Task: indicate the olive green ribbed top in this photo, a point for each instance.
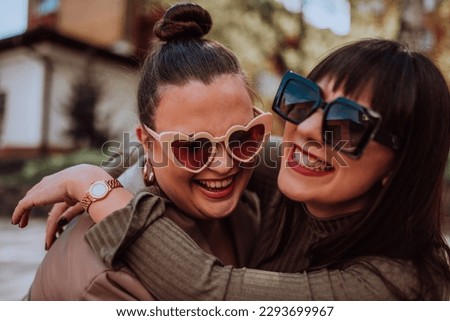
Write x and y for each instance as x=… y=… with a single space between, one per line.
x=173 y=267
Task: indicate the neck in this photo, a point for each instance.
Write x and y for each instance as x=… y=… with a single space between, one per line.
x=330 y=211
x=220 y=239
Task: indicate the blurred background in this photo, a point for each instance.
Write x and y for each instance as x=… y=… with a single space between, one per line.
x=69 y=71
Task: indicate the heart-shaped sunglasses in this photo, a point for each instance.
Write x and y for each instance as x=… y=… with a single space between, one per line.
x=196 y=151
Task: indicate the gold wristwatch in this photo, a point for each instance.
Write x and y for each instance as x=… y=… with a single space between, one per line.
x=98 y=191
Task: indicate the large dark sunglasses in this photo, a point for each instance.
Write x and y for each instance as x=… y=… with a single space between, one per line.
x=196 y=152
x=347 y=126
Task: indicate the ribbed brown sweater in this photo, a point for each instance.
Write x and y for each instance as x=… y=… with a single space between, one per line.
x=169 y=263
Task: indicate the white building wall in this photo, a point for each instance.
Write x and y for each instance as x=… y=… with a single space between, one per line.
x=116 y=108
x=21 y=77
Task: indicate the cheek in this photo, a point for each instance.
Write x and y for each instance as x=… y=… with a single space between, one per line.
x=156 y=155
x=370 y=169
x=284 y=181
x=174 y=181
x=244 y=178
x=378 y=159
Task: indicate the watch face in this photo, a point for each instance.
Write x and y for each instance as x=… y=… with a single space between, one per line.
x=99 y=189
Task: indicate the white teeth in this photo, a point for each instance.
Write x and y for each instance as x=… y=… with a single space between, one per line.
x=310 y=162
x=216 y=184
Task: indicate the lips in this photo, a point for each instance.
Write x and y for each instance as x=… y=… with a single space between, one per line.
x=217 y=188
x=308 y=164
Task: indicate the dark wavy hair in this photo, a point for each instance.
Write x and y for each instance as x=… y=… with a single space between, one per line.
x=404 y=220
x=180 y=55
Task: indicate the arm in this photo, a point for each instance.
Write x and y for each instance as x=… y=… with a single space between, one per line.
x=70 y=186
x=63 y=213
x=169 y=263
x=71 y=271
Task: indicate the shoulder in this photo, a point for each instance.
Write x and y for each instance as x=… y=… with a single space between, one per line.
x=116 y=285
x=72 y=271
x=119 y=162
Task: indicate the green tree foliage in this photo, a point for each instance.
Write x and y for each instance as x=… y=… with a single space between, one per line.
x=265 y=35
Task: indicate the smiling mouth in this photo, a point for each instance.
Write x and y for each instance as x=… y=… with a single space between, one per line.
x=215 y=185
x=309 y=161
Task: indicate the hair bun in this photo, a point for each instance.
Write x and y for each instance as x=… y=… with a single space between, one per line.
x=186 y=20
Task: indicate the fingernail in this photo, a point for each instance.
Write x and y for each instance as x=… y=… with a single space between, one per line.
x=62 y=222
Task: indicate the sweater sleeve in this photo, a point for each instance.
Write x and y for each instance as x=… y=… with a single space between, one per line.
x=113 y=234
x=171 y=264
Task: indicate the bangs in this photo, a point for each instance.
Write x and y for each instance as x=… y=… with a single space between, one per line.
x=385 y=62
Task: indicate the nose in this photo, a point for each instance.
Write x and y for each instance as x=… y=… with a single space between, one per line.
x=222 y=162
x=311 y=128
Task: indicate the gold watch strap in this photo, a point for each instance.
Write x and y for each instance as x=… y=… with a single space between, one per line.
x=113 y=183
x=89 y=199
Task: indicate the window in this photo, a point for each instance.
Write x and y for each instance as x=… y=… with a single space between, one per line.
x=47 y=6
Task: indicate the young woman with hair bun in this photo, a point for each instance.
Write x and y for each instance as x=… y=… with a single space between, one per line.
x=200 y=132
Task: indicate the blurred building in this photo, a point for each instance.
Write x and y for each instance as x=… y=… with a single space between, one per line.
x=70 y=42
x=122 y=26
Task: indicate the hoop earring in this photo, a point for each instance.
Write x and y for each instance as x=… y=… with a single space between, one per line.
x=385 y=181
x=149 y=176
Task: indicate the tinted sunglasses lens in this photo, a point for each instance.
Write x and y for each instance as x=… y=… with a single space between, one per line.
x=192 y=154
x=297 y=101
x=245 y=144
x=346 y=127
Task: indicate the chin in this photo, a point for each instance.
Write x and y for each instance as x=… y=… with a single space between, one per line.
x=290 y=187
x=220 y=211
